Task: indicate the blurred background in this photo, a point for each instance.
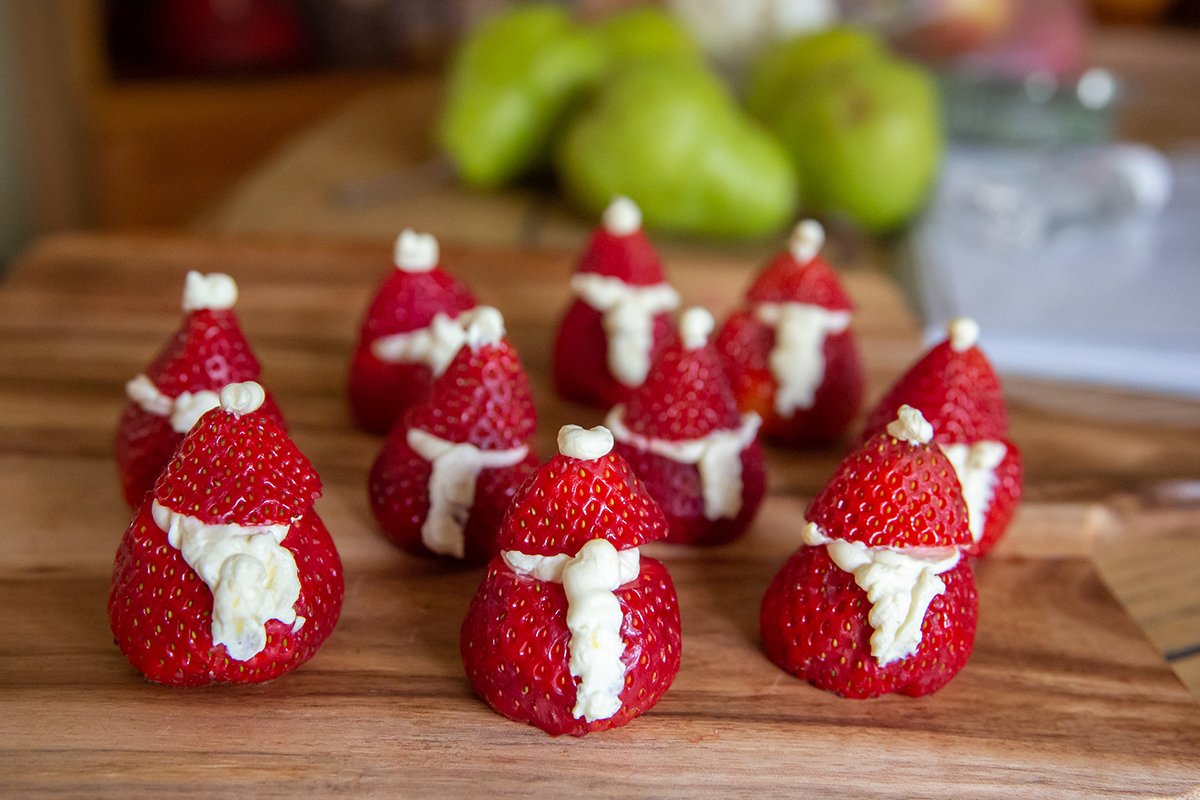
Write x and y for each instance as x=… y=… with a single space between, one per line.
x=1033 y=163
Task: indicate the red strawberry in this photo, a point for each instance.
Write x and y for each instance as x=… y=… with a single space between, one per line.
x=882 y=551
x=611 y=331
x=394 y=365
x=956 y=389
x=447 y=473
x=682 y=435
x=208 y=352
x=572 y=630
x=790 y=354
x=227 y=574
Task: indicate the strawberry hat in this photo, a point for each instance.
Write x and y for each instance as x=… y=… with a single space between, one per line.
x=886 y=510
x=954 y=386
x=800 y=274
x=238 y=467
x=600 y=498
x=620 y=249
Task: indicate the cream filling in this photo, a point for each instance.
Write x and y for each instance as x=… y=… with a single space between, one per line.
x=434 y=345
x=215 y=291
x=717 y=456
x=628 y=320
x=594 y=617
x=976 y=466
x=899 y=582
x=182 y=411
x=252 y=577
x=797 y=361
x=456 y=467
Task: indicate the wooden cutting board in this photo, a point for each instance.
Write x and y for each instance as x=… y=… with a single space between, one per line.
x=1064 y=696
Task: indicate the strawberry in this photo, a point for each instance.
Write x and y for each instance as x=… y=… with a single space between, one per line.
x=227 y=574
x=682 y=435
x=572 y=630
x=958 y=392
x=448 y=471
x=395 y=362
x=620 y=316
x=879 y=598
x=789 y=353
x=208 y=352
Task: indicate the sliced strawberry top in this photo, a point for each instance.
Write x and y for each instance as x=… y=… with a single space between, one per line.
x=784 y=280
x=892 y=493
x=570 y=501
x=238 y=469
x=483 y=398
x=685 y=396
x=957 y=392
x=407 y=301
x=630 y=258
x=207 y=352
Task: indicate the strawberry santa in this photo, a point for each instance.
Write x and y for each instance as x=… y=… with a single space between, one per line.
x=879 y=598
x=790 y=353
x=958 y=392
x=620 y=315
x=208 y=352
x=227 y=574
x=448 y=471
x=682 y=434
x=572 y=629
x=408 y=335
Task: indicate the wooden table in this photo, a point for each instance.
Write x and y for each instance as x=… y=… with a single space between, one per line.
x=1064 y=696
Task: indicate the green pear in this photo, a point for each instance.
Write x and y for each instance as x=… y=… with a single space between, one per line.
x=866 y=139
x=646 y=32
x=511 y=84
x=668 y=135
x=790 y=63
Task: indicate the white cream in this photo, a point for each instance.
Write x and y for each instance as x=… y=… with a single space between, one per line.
x=252 y=577
x=594 y=617
x=628 y=320
x=910 y=426
x=963 y=334
x=215 y=292
x=242 y=398
x=434 y=346
x=797 y=360
x=622 y=217
x=717 y=456
x=586 y=444
x=415 y=252
x=899 y=582
x=182 y=412
x=976 y=466
x=808 y=237
x=456 y=468
x=695 y=326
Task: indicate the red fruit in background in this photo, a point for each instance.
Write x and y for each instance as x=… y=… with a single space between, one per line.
x=684 y=438
x=879 y=598
x=208 y=352
x=612 y=330
x=402 y=344
x=572 y=630
x=227 y=574
x=956 y=389
x=447 y=473
x=790 y=354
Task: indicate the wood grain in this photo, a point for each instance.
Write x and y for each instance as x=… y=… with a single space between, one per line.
x=1064 y=696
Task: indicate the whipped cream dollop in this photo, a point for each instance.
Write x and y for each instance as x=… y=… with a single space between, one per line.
x=586 y=444
x=963 y=334
x=590 y=580
x=797 y=359
x=622 y=217
x=808 y=237
x=455 y=470
x=214 y=292
x=628 y=320
x=252 y=576
x=975 y=465
x=910 y=426
x=182 y=412
x=717 y=456
x=415 y=252
x=900 y=584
